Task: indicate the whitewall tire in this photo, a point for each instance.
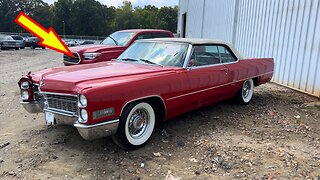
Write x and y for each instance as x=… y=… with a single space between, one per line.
x=136 y=125
x=246 y=91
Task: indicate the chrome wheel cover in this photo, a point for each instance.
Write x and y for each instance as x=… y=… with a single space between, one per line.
x=138 y=123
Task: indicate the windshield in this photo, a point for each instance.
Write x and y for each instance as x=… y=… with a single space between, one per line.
x=118 y=38
x=8 y=38
x=17 y=37
x=160 y=53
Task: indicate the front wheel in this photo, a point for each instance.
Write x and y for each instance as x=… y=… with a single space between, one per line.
x=245 y=93
x=136 y=125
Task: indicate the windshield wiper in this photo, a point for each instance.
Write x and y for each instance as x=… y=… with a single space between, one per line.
x=113 y=40
x=150 y=62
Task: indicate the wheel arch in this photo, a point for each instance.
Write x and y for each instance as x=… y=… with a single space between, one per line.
x=256 y=81
x=155 y=101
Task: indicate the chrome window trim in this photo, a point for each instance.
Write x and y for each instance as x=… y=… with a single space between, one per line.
x=214 y=87
x=211 y=65
x=188 y=56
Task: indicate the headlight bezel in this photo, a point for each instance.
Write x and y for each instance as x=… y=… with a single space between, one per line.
x=83 y=116
x=91 y=55
x=82 y=101
x=23 y=87
x=24 y=95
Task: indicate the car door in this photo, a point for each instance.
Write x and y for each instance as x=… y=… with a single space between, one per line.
x=207 y=75
x=236 y=71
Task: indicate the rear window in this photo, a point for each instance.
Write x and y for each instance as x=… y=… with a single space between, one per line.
x=161 y=35
x=17 y=37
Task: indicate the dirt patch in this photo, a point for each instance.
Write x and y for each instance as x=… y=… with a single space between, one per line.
x=276 y=136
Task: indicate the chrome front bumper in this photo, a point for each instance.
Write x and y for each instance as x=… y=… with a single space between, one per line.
x=87 y=132
x=95 y=131
x=32 y=107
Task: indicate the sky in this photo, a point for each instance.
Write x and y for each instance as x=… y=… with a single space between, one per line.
x=116 y=3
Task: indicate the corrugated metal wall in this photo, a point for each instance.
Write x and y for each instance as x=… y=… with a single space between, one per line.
x=287 y=30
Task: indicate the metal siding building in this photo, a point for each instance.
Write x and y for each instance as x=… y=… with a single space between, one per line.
x=287 y=30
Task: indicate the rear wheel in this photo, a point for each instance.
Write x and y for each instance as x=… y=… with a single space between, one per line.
x=22 y=47
x=245 y=93
x=43 y=47
x=136 y=125
x=16 y=48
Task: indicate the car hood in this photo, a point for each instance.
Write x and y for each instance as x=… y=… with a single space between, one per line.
x=7 y=40
x=93 y=48
x=74 y=79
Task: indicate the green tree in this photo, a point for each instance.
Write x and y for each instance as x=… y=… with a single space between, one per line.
x=61 y=15
x=167 y=17
x=124 y=17
x=89 y=17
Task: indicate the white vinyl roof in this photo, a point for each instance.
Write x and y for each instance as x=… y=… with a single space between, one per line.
x=195 y=41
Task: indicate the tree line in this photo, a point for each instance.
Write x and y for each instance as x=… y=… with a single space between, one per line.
x=87 y=17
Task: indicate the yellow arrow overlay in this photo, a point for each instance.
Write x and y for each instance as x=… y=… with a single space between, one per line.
x=48 y=38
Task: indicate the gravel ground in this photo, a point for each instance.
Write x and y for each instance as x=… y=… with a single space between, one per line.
x=274 y=137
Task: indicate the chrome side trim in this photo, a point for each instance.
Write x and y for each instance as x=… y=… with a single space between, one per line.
x=165 y=107
x=64 y=94
x=214 y=87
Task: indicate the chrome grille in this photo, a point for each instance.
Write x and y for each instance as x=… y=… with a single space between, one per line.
x=71 y=60
x=62 y=103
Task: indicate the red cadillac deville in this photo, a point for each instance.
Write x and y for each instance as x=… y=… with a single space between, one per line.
x=153 y=80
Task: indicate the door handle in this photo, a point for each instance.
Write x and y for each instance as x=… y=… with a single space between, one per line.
x=225 y=70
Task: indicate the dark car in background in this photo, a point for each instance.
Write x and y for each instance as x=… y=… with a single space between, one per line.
x=29 y=41
x=20 y=40
x=33 y=43
x=7 y=42
x=112 y=46
x=86 y=42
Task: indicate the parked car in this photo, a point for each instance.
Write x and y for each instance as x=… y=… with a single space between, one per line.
x=35 y=44
x=86 y=42
x=71 y=43
x=112 y=46
x=29 y=41
x=7 y=42
x=20 y=40
x=153 y=80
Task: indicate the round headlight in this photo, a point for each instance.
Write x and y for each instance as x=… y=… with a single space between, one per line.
x=83 y=116
x=24 y=95
x=25 y=85
x=82 y=101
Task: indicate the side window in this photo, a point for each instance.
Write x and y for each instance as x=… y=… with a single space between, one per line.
x=144 y=36
x=225 y=55
x=204 y=55
x=161 y=35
